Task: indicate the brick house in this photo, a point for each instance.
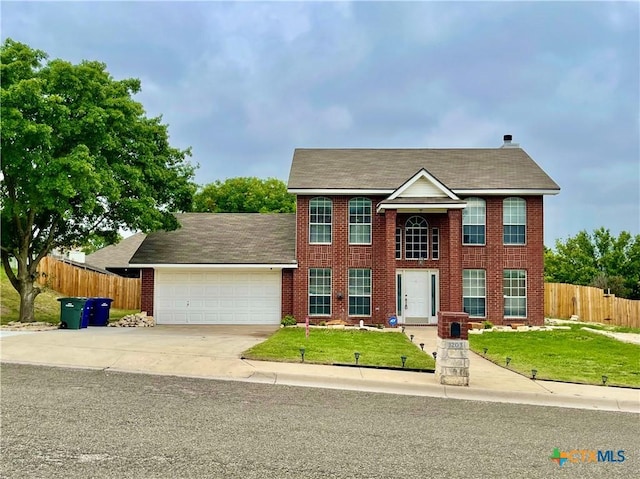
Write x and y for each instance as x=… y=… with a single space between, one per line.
x=377 y=233
x=415 y=231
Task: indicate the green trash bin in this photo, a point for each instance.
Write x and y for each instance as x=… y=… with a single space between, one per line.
x=71 y=310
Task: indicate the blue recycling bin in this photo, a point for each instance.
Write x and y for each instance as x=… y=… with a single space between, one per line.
x=87 y=313
x=100 y=311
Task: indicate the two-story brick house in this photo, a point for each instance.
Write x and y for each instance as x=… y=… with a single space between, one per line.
x=411 y=232
x=377 y=233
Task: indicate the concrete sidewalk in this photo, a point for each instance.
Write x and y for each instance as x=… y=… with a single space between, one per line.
x=213 y=352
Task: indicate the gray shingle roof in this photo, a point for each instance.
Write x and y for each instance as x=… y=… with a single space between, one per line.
x=116 y=255
x=387 y=169
x=222 y=238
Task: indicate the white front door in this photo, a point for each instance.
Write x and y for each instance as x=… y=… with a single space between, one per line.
x=417 y=296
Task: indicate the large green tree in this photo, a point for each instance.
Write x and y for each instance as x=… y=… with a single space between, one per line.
x=245 y=195
x=80 y=160
x=599 y=259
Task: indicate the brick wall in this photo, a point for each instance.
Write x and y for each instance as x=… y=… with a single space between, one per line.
x=147 y=290
x=494 y=257
x=287 y=292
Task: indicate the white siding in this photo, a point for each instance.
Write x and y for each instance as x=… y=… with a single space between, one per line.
x=423 y=188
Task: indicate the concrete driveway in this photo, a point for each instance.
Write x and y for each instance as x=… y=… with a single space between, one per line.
x=180 y=350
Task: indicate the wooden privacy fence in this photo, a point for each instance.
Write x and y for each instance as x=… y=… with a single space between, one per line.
x=71 y=280
x=589 y=304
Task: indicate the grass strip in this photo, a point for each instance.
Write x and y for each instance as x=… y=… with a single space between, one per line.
x=571 y=355
x=328 y=346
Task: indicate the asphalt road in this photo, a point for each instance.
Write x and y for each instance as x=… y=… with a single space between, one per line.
x=62 y=423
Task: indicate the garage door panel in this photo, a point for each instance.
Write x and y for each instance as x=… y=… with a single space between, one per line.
x=217 y=297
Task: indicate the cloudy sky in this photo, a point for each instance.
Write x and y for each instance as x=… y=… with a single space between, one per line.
x=244 y=84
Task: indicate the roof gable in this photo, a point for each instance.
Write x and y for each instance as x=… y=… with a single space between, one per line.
x=423 y=185
x=116 y=255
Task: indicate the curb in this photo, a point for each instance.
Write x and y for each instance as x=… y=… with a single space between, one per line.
x=386 y=387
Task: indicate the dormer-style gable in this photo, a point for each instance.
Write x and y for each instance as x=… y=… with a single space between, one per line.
x=421 y=192
x=423 y=185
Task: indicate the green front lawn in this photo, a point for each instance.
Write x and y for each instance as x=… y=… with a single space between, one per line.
x=563 y=355
x=329 y=346
x=47 y=306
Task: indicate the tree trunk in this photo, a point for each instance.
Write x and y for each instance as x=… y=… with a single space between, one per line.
x=23 y=280
x=28 y=295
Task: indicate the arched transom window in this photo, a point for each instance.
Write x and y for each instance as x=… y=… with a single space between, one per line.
x=416 y=234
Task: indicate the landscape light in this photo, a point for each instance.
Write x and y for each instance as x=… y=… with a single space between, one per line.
x=302 y=354
x=508 y=360
x=604 y=380
x=434 y=354
x=422 y=346
x=404 y=360
x=411 y=337
x=534 y=372
x=484 y=351
x=357 y=356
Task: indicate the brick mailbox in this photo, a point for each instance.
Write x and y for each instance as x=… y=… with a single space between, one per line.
x=452 y=358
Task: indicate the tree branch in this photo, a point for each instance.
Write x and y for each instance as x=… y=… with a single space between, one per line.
x=47 y=246
x=7 y=268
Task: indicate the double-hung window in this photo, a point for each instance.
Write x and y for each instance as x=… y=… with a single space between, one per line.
x=515 y=293
x=320 y=215
x=474 y=293
x=473 y=222
x=359 y=292
x=514 y=221
x=319 y=291
x=360 y=221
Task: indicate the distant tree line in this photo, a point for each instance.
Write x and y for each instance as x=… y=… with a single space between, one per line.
x=244 y=195
x=599 y=259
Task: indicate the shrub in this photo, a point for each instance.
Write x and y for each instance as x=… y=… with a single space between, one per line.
x=288 y=320
x=487 y=324
x=322 y=323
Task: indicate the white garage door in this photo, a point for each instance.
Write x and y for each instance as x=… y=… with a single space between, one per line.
x=217 y=297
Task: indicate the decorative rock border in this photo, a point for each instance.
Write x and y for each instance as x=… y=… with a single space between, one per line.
x=35 y=326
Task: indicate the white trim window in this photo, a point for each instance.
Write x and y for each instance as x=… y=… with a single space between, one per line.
x=319 y=291
x=514 y=221
x=435 y=243
x=474 y=292
x=320 y=216
x=416 y=237
x=474 y=218
x=359 y=221
x=398 y=243
x=515 y=293
x=359 y=292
